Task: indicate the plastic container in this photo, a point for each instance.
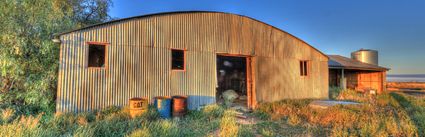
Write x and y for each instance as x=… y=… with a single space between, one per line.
x=163 y=106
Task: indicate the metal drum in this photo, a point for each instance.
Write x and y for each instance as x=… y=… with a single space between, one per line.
x=163 y=105
x=179 y=106
x=138 y=106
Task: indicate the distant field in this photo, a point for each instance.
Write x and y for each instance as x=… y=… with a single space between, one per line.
x=412 y=88
x=406 y=82
x=406 y=86
x=406 y=77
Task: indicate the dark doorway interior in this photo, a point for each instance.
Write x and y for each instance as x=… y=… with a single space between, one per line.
x=231 y=74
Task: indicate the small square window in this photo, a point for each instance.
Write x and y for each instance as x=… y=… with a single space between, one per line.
x=303 y=68
x=177 y=61
x=96 y=56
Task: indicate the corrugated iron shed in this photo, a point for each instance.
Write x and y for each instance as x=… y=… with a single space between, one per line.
x=359 y=76
x=138 y=52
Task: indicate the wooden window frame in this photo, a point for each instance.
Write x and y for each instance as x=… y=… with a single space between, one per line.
x=105 y=44
x=304 y=66
x=184 y=60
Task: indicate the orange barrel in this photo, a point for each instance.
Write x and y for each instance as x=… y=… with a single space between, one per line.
x=179 y=106
x=138 y=106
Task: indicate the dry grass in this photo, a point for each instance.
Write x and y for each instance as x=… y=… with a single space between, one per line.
x=352 y=95
x=7 y=115
x=23 y=126
x=406 y=85
x=228 y=125
x=117 y=122
x=382 y=115
x=391 y=114
x=415 y=108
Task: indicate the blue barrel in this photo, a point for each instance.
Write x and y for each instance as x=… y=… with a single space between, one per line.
x=163 y=105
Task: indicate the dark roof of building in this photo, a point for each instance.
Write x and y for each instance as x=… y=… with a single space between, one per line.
x=337 y=61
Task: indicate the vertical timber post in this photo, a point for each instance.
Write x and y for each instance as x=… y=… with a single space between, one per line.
x=343 y=81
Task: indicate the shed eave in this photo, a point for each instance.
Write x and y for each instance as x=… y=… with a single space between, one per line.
x=356 y=68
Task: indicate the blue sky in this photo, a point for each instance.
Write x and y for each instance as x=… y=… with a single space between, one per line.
x=396 y=28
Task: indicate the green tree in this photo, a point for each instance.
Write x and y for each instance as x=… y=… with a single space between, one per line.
x=28 y=57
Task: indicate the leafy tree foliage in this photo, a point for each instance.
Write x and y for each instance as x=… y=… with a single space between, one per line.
x=28 y=57
x=87 y=12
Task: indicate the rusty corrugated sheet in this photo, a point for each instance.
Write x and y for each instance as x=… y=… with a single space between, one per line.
x=139 y=61
x=337 y=61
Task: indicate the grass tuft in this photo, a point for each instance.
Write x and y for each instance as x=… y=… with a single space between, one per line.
x=228 y=125
x=7 y=115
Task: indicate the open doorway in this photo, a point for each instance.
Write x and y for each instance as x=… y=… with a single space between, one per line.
x=232 y=75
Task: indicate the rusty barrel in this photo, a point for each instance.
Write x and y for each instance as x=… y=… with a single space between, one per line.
x=138 y=106
x=163 y=106
x=179 y=106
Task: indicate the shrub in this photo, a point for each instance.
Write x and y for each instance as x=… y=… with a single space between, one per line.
x=387 y=100
x=352 y=95
x=213 y=111
x=294 y=120
x=334 y=92
x=28 y=57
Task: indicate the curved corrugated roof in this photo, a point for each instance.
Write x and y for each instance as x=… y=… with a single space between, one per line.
x=179 y=12
x=337 y=61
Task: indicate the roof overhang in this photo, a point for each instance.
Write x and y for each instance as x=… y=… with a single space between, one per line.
x=357 y=68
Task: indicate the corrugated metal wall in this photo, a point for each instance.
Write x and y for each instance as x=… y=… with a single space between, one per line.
x=371 y=80
x=360 y=79
x=139 y=60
